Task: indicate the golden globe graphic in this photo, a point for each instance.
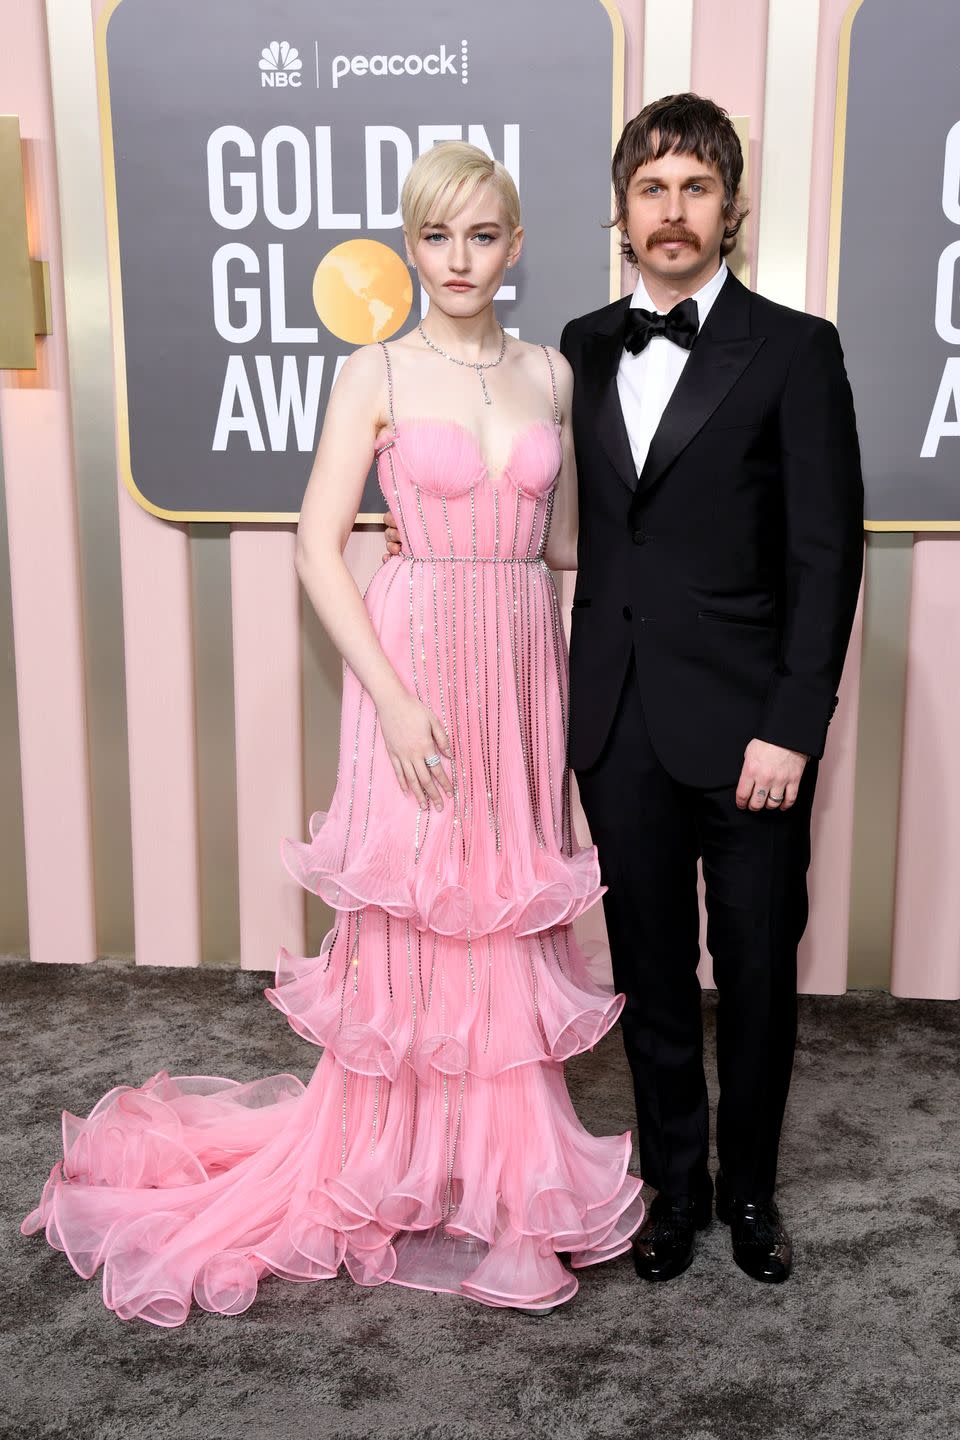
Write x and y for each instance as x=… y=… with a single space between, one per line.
x=362 y=291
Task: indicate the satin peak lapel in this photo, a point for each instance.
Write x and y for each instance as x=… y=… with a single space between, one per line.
x=602 y=359
x=718 y=359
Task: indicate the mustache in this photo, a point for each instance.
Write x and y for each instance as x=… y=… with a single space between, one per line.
x=673 y=232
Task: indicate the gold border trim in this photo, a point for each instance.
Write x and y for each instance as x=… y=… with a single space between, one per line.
x=245 y=517
x=906 y=526
x=833 y=249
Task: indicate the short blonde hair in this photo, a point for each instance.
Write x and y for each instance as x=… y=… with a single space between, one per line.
x=445 y=178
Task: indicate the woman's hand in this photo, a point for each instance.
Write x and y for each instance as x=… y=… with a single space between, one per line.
x=411 y=732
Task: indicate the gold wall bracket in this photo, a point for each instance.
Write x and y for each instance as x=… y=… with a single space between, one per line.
x=25 y=310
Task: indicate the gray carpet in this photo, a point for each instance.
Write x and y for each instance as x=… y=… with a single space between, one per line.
x=863 y=1341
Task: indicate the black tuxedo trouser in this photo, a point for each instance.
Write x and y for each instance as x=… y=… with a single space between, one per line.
x=650 y=831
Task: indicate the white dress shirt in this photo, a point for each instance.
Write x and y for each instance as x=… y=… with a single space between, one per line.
x=646 y=381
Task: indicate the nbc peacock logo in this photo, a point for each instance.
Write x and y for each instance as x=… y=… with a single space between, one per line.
x=280 y=66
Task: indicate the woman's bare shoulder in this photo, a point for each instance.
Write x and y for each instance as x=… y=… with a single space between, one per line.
x=364 y=363
x=530 y=352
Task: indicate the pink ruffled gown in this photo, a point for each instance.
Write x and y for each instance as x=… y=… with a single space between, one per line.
x=435 y=1144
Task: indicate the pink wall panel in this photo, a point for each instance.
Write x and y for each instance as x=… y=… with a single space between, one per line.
x=269 y=739
x=926 y=938
x=823 y=952
x=631 y=13
x=729 y=65
x=158 y=660
x=35 y=430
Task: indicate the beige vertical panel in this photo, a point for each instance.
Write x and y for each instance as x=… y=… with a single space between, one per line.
x=667 y=47
x=13 y=872
x=886 y=619
x=792 y=34
x=216 y=745
x=269 y=739
x=73 y=80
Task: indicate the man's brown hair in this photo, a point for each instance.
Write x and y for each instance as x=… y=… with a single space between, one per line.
x=688 y=125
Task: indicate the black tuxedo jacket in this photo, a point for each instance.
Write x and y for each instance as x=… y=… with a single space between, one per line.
x=731 y=566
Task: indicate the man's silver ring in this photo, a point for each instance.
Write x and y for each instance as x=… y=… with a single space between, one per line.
x=432 y=761
x=775 y=799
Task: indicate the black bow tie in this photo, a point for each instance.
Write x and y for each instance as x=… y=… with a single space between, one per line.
x=680 y=325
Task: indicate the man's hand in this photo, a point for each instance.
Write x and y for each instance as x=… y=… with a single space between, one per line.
x=770 y=777
x=392 y=536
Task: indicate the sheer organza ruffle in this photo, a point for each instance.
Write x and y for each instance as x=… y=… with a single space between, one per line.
x=517 y=889
x=380 y=992
x=191 y=1188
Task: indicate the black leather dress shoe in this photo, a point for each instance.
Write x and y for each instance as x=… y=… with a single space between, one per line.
x=761 y=1246
x=663 y=1246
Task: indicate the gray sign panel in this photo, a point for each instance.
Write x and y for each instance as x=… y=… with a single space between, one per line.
x=898 y=308
x=257 y=153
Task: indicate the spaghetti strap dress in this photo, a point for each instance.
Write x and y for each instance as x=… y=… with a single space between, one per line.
x=435 y=1144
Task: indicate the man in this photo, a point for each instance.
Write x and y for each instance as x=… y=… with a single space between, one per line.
x=719 y=562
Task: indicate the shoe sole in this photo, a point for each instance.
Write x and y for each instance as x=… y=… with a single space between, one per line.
x=762 y=1279
x=665 y=1276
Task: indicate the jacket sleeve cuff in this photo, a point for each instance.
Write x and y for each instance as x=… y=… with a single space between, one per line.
x=797 y=720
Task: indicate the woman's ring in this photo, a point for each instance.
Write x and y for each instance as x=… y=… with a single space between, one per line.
x=432 y=761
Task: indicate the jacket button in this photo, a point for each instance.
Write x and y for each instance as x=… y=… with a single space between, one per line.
x=639 y=537
x=627 y=613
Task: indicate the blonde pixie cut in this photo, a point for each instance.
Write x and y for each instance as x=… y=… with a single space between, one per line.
x=445 y=178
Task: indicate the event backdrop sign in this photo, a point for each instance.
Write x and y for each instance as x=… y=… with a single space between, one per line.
x=253 y=157
x=895 y=254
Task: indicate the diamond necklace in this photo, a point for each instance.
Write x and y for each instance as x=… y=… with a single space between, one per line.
x=470 y=364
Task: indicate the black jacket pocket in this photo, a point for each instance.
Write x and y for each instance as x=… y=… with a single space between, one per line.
x=727 y=619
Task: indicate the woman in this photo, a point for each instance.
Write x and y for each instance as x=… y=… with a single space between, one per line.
x=435 y=1144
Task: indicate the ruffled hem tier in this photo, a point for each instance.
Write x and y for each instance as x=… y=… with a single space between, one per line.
x=550 y=890
x=191 y=1188
x=381 y=993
